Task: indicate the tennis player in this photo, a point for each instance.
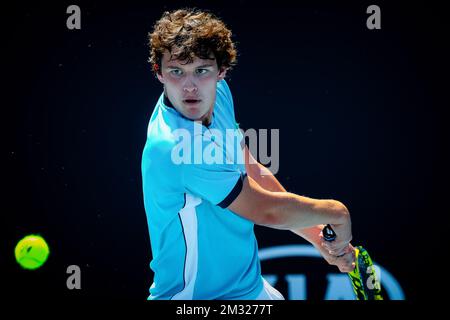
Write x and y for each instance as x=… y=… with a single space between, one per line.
x=202 y=193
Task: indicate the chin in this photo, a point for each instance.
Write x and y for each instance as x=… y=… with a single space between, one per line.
x=193 y=116
x=196 y=114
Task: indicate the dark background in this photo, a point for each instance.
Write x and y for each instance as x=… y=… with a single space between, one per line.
x=360 y=113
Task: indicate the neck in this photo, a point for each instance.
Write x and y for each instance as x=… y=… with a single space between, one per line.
x=206 y=119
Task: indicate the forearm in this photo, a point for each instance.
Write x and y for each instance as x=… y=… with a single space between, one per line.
x=288 y=211
x=311 y=234
x=306 y=229
x=268 y=181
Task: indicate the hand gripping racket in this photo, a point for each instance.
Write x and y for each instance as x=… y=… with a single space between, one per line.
x=364 y=280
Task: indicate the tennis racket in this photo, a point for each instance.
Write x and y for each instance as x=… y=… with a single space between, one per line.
x=365 y=282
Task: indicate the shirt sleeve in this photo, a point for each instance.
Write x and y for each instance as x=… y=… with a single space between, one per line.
x=218 y=184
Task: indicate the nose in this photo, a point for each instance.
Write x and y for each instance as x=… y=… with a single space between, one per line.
x=190 y=89
x=189 y=86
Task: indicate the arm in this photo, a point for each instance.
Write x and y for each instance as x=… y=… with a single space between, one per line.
x=268 y=181
x=262 y=176
x=285 y=210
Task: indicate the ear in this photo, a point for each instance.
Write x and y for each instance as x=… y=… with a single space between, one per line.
x=160 y=77
x=222 y=74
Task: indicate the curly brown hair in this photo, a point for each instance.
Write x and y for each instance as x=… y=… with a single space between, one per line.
x=187 y=33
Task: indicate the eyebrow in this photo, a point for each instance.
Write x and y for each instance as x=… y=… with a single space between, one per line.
x=202 y=66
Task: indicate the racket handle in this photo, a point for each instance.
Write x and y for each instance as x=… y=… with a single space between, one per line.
x=328 y=233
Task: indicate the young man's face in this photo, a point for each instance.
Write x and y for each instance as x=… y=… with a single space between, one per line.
x=191 y=87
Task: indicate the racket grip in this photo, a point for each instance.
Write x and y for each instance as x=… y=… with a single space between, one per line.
x=328 y=233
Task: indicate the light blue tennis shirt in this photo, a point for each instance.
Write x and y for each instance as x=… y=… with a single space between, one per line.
x=191 y=174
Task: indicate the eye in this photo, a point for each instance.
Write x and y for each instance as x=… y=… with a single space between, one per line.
x=202 y=71
x=176 y=72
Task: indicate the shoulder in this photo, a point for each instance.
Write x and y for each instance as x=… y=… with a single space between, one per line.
x=157 y=153
x=168 y=148
x=224 y=91
x=161 y=139
x=223 y=84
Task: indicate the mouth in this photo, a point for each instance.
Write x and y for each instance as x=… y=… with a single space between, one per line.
x=191 y=101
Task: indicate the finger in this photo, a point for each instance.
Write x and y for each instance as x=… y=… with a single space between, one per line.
x=328 y=247
x=349 y=262
x=351 y=267
x=343 y=270
x=326 y=242
x=349 y=248
x=346 y=266
x=335 y=246
x=339 y=251
x=335 y=253
x=332 y=260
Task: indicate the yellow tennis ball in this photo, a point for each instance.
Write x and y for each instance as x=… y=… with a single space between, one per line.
x=31 y=252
